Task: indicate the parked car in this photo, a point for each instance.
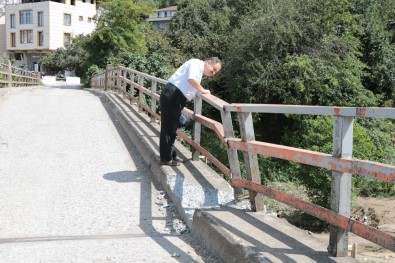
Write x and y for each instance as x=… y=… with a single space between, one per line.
x=60 y=76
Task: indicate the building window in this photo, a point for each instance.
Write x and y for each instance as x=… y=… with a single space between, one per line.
x=26 y=36
x=26 y=17
x=81 y=18
x=66 y=39
x=168 y=14
x=161 y=14
x=89 y=20
x=40 y=38
x=13 y=40
x=40 y=16
x=67 y=20
x=12 y=18
x=18 y=56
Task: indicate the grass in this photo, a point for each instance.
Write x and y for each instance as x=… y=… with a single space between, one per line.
x=291 y=214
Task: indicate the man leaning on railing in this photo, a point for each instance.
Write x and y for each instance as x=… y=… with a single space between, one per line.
x=182 y=86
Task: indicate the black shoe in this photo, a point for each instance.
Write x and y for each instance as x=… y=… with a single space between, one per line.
x=178 y=159
x=170 y=163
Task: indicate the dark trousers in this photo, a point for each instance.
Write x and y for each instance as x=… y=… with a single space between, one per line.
x=172 y=101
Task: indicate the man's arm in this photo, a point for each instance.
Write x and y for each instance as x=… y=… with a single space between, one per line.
x=197 y=86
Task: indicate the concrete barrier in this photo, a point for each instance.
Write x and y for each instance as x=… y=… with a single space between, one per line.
x=73 y=81
x=48 y=80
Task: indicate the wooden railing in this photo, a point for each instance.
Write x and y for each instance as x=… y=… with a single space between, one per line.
x=340 y=162
x=15 y=77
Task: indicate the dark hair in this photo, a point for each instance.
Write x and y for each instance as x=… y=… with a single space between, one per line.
x=214 y=60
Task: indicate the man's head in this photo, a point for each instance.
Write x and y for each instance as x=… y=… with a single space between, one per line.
x=212 y=66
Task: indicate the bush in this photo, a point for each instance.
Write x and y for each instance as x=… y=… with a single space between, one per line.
x=92 y=70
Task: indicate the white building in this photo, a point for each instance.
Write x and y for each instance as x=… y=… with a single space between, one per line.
x=161 y=18
x=33 y=27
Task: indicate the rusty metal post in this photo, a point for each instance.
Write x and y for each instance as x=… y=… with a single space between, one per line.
x=153 y=101
x=9 y=76
x=112 y=82
x=141 y=93
x=106 y=78
x=119 y=81
x=341 y=183
x=125 y=84
x=251 y=160
x=234 y=164
x=131 y=91
x=197 y=127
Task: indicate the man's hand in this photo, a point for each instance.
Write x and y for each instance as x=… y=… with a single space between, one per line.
x=199 y=87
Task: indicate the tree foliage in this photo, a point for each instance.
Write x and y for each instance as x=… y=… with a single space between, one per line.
x=72 y=58
x=378 y=19
x=200 y=27
x=167 y=3
x=119 y=29
x=283 y=54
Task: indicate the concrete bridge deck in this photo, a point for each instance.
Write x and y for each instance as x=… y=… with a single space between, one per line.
x=77 y=177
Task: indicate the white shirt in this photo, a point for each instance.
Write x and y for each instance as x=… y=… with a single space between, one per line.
x=192 y=69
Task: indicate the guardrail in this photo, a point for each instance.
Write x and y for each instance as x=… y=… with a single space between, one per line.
x=15 y=77
x=340 y=162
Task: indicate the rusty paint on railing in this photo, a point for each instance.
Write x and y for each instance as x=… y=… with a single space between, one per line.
x=204 y=152
x=188 y=113
x=147 y=76
x=312 y=110
x=11 y=75
x=374 y=235
x=213 y=101
x=375 y=170
x=141 y=88
x=211 y=124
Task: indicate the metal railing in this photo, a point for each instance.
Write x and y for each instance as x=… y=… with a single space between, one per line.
x=340 y=162
x=11 y=76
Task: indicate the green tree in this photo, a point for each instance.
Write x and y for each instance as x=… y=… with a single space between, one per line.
x=297 y=53
x=72 y=58
x=159 y=57
x=120 y=26
x=53 y=62
x=378 y=39
x=200 y=28
x=167 y=3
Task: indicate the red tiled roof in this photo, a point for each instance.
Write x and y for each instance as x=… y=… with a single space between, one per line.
x=170 y=8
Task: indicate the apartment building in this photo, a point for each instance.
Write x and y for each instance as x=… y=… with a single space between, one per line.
x=34 y=27
x=161 y=18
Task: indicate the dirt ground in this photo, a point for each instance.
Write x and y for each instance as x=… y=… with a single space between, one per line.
x=380 y=212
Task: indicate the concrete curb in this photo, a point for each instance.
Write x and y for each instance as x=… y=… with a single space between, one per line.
x=222 y=242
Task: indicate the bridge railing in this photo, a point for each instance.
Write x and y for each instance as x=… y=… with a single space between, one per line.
x=340 y=162
x=11 y=76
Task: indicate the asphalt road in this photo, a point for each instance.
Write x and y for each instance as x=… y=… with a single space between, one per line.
x=73 y=190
